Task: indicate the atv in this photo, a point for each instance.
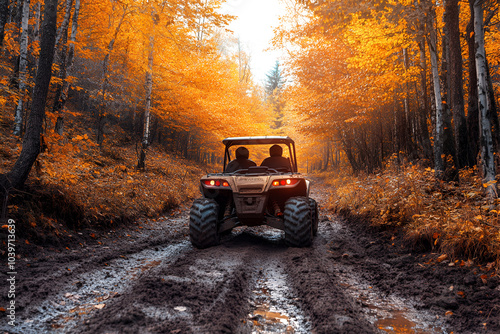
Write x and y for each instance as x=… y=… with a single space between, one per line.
x=257 y=195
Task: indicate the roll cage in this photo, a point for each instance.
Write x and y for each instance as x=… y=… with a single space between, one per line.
x=261 y=140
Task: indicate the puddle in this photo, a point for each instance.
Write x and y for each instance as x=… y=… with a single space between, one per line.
x=275 y=310
x=90 y=291
x=271 y=234
x=390 y=314
x=399 y=324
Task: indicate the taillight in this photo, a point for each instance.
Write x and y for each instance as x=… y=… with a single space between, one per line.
x=216 y=183
x=285 y=182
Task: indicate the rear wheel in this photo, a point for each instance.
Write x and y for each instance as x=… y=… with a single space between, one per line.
x=313 y=205
x=298 y=222
x=203 y=221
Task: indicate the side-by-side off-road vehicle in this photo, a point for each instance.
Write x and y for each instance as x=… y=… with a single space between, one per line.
x=258 y=195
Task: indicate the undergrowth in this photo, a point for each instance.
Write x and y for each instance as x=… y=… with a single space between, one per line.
x=456 y=220
x=74 y=183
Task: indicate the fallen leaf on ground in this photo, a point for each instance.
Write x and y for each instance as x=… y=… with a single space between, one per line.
x=442 y=257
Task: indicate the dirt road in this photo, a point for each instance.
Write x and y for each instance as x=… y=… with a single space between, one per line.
x=149 y=279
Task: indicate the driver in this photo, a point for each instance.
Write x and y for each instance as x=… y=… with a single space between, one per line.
x=241 y=161
x=276 y=160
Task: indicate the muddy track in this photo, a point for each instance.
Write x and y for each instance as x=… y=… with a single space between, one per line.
x=149 y=279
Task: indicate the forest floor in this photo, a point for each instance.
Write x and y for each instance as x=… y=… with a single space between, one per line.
x=146 y=277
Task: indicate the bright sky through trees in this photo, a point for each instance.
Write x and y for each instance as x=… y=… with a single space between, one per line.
x=254 y=26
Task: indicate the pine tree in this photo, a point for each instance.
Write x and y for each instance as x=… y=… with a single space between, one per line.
x=274 y=86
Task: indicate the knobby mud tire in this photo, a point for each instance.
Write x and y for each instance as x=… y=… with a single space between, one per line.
x=298 y=222
x=314 y=215
x=203 y=223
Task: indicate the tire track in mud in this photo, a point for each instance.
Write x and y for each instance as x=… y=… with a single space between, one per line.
x=274 y=307
x=90 y=291
x=54 y=282
x=202 y=292
x=330 y=309
x=388 y=312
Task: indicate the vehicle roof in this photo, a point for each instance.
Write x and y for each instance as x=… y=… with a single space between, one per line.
x=257 y=140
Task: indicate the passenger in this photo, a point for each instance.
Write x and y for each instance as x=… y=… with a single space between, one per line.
x=241 y=161
x=276 y=160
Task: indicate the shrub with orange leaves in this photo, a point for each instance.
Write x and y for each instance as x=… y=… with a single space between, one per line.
x=451 y=218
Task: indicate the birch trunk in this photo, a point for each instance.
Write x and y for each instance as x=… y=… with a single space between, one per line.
x=66 y=61
x=438 y=135
x=70 y=57
x=23 y=67
x=60 y=58
x=147 y=109
x=487 y=157
x=426 y=142
x=65 y=23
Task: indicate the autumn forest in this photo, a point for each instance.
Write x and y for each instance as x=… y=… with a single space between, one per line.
x=394 y=103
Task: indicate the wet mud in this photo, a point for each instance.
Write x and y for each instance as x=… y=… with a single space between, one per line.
x=149 y=279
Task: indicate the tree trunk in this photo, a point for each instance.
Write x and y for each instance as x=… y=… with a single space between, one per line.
x=66 y=61
x=438 y=135
x=487 y=157
x=16 y=177
x=472 y=101
x=23 y=67
x=456 y=83
x=63 y=29
x=4 y=14
x=104 y=82
x=493 y=109
x=327 y=154
x=449 y=149
x=71 y=55
x=34 y=36
x=147 y=111
x=407 y=113
x=426 y=142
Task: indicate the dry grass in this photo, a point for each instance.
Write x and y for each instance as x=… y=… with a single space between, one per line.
x=453 y=219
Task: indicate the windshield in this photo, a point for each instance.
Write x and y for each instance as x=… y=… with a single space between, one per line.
x=276 y=156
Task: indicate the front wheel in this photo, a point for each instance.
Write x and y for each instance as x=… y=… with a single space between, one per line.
x=203 y=223
x=314 y=215
x=298 y=222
